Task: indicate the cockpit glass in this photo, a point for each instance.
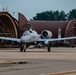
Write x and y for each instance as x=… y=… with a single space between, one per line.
x=26 y=33
x=30 y=31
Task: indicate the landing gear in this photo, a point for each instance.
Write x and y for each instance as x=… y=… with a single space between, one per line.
x=49 y=47
x=22 y=47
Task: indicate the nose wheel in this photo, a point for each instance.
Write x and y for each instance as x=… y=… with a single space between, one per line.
x=22 y=47
x=49 y=47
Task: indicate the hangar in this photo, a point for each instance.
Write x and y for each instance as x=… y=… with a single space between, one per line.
x=10 y=27
x=68 y=28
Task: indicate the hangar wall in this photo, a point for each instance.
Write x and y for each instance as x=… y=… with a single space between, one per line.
x=52 y=26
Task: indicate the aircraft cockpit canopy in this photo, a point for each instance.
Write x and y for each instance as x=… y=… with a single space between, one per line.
x=26 y=33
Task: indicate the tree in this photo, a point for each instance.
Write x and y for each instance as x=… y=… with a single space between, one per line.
x=42 y=16
x=50 y=15
x=62 y=16
x=72 y=15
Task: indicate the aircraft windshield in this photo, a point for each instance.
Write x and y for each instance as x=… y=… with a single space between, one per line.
x=26 y=33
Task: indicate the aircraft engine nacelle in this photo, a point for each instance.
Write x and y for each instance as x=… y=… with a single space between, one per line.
x=46 y=34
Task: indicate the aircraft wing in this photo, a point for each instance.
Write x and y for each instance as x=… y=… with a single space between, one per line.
x=10 y=39
x=55 y=39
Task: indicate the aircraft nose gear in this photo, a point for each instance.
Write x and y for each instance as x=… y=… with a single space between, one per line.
x=49 y=47
x=22 y=47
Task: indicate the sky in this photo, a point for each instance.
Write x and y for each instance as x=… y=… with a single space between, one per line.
x=29 y=8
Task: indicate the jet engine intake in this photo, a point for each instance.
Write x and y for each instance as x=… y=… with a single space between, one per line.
x=46 y=34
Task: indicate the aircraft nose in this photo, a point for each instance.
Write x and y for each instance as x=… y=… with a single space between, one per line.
x=25 y=39
x=22 y=39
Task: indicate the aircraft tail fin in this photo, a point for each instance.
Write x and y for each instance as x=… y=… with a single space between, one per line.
x=24 y=23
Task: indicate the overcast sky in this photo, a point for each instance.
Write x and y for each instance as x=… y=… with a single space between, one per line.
x=30 y=7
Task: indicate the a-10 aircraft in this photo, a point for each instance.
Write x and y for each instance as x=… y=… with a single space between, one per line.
x=32 y=37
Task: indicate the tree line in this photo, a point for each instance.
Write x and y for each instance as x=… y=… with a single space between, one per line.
x=56 y=15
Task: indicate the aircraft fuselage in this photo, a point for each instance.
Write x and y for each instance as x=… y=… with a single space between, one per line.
x=30 y=36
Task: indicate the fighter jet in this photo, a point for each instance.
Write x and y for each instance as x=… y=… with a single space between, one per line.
x=32 y=37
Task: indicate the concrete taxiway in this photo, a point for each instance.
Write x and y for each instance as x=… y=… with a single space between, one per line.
x=60 y=61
